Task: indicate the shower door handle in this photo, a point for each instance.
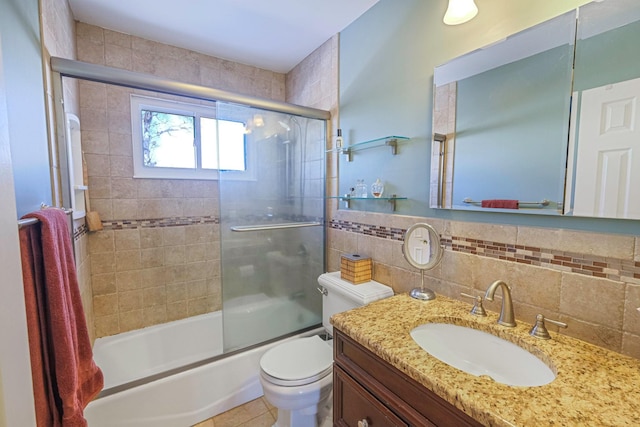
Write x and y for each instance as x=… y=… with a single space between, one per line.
x=263 y=227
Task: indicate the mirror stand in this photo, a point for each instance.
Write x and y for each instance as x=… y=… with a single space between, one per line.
x=423 y=251
x=421 y=293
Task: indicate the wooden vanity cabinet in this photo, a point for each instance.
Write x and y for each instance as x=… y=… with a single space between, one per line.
x=368 y=392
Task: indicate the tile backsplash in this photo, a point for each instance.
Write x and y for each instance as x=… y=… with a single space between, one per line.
x=589 y=280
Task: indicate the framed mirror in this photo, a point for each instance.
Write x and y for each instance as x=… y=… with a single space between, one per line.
x=422 y=250
x=501 y=123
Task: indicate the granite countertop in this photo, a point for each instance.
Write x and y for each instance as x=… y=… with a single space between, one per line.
x=594 y=386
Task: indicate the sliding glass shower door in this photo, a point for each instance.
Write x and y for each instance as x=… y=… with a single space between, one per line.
x=271 y=223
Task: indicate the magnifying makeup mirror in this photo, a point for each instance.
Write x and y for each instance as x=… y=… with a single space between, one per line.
x=423 y=251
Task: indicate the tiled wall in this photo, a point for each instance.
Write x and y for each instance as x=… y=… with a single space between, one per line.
x=157 y=258
x=59 y=39
x=591 y=281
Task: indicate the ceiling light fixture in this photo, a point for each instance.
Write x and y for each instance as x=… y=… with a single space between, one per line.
x=460 y=11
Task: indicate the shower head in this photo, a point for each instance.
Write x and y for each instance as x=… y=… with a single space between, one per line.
x=284 y=125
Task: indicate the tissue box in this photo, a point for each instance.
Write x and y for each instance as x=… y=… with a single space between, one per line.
x=355 y=268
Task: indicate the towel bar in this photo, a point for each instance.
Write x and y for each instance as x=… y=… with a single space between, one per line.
x=31 y=221
x=543 y=202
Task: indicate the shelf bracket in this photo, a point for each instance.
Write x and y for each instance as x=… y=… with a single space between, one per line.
x=347 y=202
x=348 y=154
x=393 y=200
x=393 y=143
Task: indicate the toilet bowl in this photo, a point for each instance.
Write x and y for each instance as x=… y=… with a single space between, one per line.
x=297 y=375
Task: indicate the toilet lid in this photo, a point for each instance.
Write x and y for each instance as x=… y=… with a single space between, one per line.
x=301 y=360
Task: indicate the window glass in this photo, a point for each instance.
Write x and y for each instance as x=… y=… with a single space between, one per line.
x=168 y=140
x=173 y=139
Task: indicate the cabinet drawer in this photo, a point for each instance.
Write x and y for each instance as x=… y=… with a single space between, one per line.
x=353 y=404
x=408 y=399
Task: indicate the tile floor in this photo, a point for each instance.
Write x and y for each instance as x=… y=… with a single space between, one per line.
x=257 y=413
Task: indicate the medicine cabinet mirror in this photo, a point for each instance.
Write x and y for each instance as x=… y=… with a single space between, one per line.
x=512 y=121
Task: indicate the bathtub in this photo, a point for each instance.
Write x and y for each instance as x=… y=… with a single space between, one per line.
x=137 y=354
x=187 y=397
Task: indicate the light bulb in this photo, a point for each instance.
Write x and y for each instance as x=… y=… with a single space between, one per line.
x=460 y=11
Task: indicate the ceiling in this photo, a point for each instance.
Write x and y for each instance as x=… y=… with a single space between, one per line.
x=272 y=34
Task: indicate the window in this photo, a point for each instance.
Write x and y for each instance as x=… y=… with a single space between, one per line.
x=173 y=139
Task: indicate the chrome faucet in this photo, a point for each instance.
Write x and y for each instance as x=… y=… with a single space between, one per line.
x=507 y=316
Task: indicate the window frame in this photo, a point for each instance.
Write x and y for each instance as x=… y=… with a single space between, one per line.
x=139 y=103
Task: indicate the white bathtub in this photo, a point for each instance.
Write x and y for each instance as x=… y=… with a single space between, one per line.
x=183 y=399
x=141 y=353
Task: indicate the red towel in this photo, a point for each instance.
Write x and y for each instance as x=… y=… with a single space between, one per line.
x=65 y=377
x=500 y=203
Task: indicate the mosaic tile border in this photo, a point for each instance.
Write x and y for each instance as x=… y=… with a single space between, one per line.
x=127 y=224
x=589 y=265
x=80 y=231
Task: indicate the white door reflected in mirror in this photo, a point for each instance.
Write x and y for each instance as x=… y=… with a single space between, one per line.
x=606 y=168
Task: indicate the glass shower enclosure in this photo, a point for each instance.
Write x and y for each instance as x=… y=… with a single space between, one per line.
x=271 y=224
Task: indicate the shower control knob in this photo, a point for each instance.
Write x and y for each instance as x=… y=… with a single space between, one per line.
x=322 y=290
x=363 y=423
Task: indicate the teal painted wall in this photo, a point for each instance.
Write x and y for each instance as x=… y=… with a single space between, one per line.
x=22 y=63
x=387 y=58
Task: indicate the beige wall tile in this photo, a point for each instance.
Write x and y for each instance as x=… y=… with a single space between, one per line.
x=131 y=320
x=631 y=345
x=103 y=284
x=593 y=333
x=489 y=232
x=177 y=310
x=593 y=300
x=174 y=255
x=116 y=38
x=155 y=315
x=607 y=245
x=107 y=325
x=151 y=277
x=104 y=263
x=632 y=309
x=123 y=188
x=128 y=280
x=118 y=56
x=155 y=296
x=127 y=239
x=101 y=241
x=120 y=143
x=125 y=209
x=176 y=292
x=152 y=257
x=151 y=237
x=130 y=300
x=128 y=260
x=173 y=236
x=104 y=305
x=95 y=141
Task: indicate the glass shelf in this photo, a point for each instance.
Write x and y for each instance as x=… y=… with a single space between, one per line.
x=347 y=200
x=389 y=141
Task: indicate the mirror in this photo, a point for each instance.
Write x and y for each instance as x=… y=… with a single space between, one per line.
x=520 y=127
x=422 y=249
x=501 y=119
x=604 y=127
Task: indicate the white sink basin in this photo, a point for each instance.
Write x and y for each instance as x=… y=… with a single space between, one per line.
x=479 y=353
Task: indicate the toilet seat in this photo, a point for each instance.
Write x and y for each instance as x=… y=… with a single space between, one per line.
x=297 y=362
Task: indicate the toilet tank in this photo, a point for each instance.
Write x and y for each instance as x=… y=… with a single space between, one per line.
x=341 y=295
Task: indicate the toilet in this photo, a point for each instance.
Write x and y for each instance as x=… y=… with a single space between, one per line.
x=296 y=376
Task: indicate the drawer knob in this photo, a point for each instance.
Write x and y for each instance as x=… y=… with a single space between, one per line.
x=363 y=423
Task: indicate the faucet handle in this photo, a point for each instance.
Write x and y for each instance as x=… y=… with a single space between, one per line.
x=478 y=309
x=539 y=330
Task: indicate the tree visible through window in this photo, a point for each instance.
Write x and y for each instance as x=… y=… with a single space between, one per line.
x=168 y=140
x=178 y=140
